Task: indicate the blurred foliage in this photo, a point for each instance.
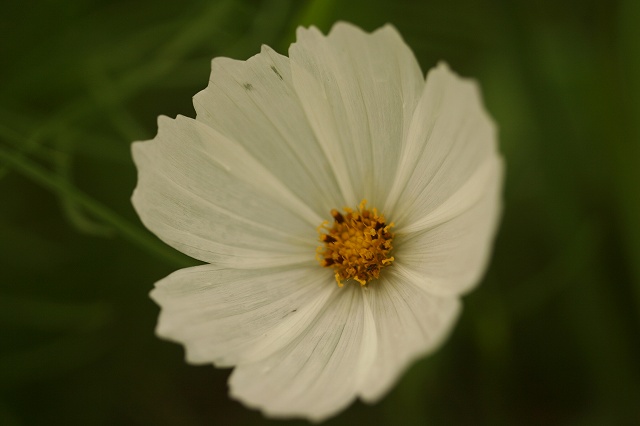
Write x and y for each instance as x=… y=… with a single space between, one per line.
x=551 y=337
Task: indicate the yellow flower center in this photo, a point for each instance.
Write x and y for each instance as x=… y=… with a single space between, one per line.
x=357 y=245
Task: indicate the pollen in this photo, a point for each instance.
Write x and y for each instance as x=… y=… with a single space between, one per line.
x=357 y=246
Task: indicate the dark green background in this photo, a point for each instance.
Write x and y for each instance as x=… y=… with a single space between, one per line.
x=551 y=336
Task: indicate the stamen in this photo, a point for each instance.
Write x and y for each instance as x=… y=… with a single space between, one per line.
x=357 y=246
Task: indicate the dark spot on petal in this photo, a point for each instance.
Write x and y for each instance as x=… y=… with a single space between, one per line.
x=248 y=86
x=289 y=313
x=274 y=69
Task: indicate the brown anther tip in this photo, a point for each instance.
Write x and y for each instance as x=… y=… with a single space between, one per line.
x=337 y=216
x=327 y=239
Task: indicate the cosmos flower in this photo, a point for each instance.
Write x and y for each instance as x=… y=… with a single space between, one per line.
x=342 y=205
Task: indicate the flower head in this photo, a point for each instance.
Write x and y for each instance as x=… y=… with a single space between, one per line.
x=342 y=204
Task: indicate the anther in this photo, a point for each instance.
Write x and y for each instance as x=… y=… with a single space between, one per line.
x=357 y=246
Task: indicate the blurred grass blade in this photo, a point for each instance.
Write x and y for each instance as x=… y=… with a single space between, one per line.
x=103 y=89
x=63 y=188
x=202 y=27
x=12 y=136
x=62 y=161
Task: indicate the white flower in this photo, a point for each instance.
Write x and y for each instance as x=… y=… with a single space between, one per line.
x=278 y=143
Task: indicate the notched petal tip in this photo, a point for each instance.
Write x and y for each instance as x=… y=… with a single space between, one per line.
x=265 y=49
x=340 y=26
x=348 y=29
x=443 y=72
x=444 y=65
x=140 y=149
x=138 y=146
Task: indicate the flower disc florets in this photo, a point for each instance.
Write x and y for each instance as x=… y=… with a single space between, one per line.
x=357 y=245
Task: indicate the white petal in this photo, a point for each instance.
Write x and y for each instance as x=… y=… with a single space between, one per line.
x=254 y=104
x=485 y=180
x=450 y=138
x=450 y=257
x=410 y=323
x=359 y=92
x=230 y=316
x=320 y=372
x=209 y=198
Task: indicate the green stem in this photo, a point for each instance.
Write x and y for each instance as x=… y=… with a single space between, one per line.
x=60 y=186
